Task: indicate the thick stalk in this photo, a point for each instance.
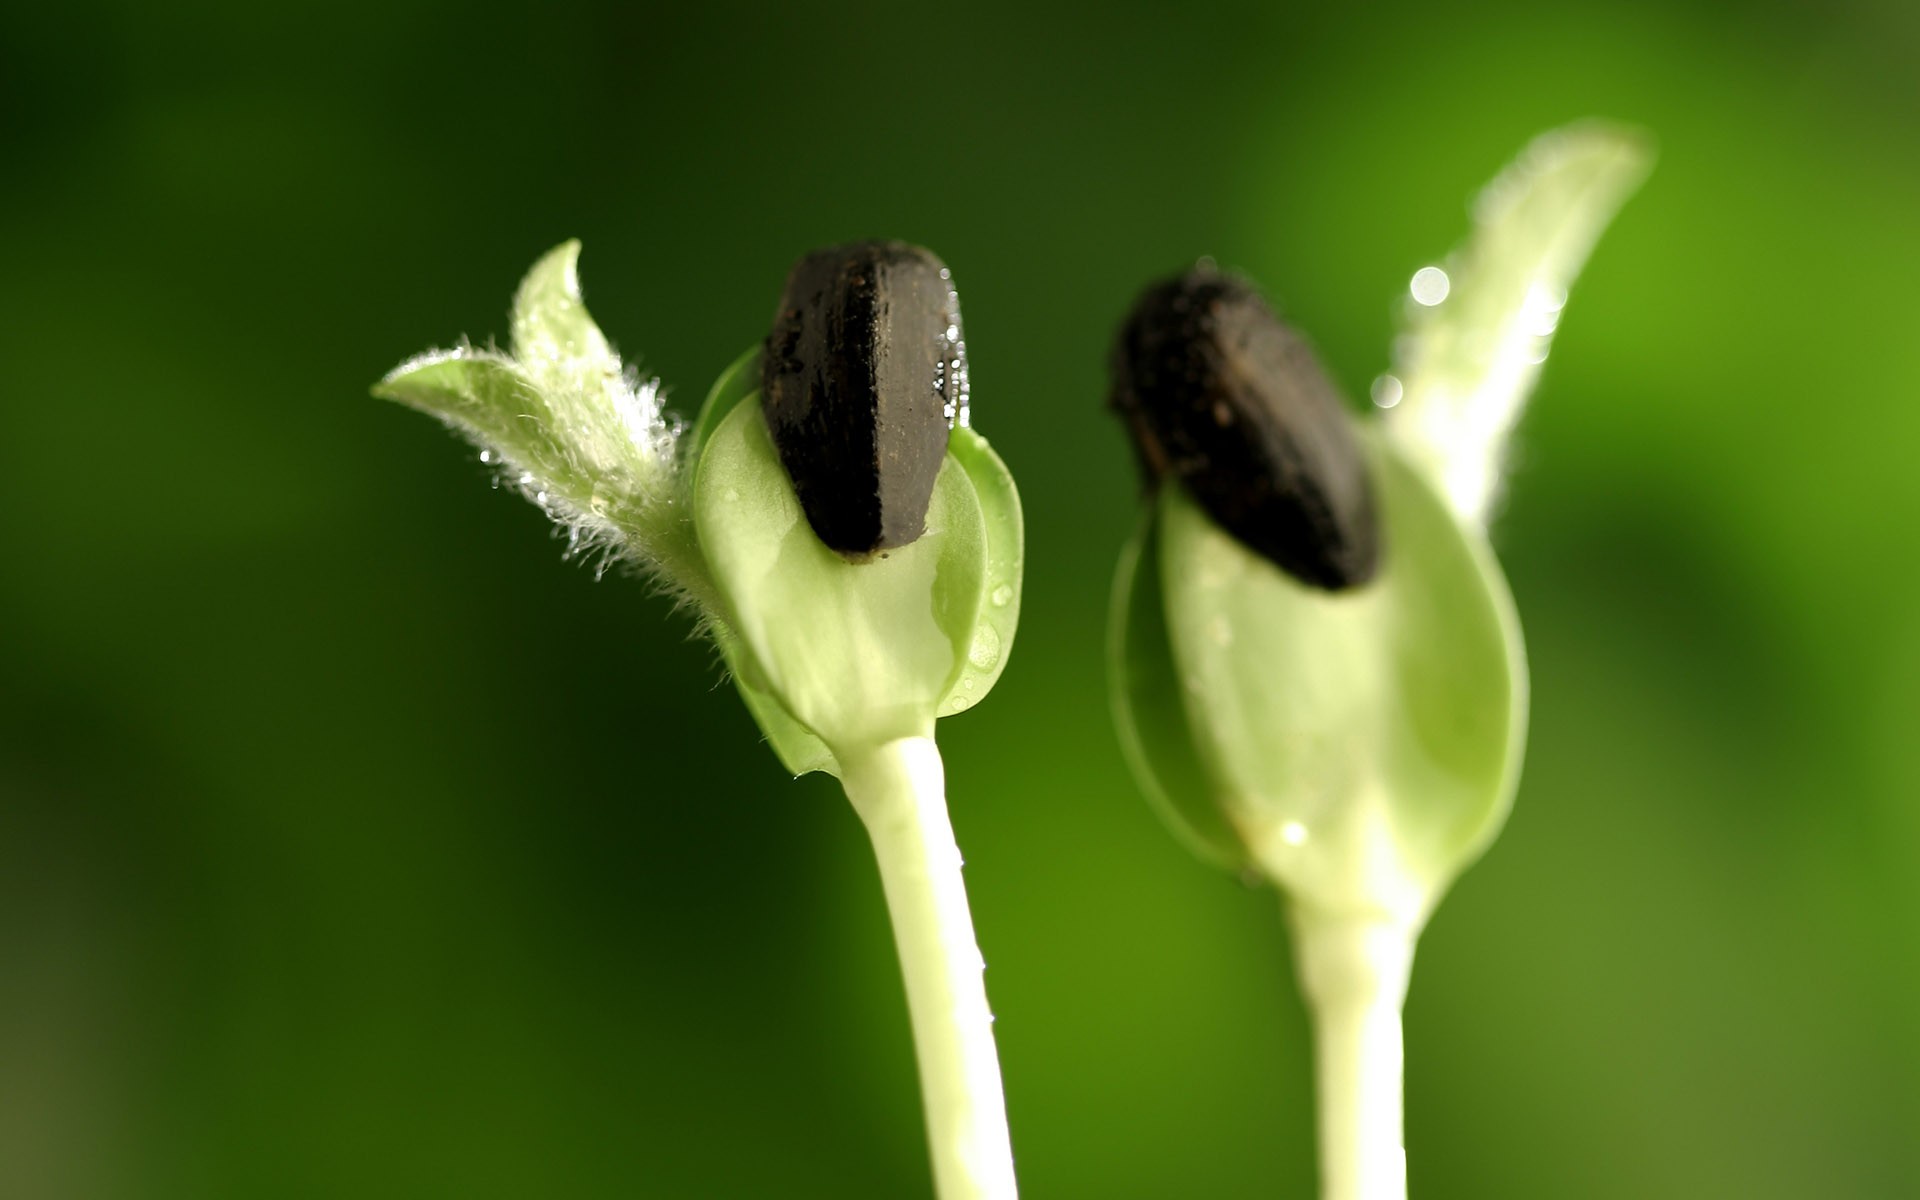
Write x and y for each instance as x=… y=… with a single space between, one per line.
x=900 y=793
x=1353 y=972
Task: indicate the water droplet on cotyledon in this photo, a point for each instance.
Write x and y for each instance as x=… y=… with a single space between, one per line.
x=985 y=650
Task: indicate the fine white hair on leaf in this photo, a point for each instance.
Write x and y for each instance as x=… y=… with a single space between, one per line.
x=1478 y=327
x=568 y=425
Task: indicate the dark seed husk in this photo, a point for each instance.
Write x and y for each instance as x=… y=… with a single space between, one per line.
x=1226 y=399
x=862 y=377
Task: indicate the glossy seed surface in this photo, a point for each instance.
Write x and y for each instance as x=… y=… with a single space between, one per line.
x=1221 y=395
x=863 y=377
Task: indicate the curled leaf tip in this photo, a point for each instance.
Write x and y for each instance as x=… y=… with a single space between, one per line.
x=1478 y=326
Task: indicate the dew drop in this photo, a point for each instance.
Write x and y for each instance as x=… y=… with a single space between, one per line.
x=1430 y=286
x=985 y=651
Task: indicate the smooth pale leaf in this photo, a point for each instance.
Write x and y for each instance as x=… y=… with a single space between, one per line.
x=799 y=749
x=1149 y=708
x=1364 y=743
x=1465 y=366
x=860 y=653
x=999 y=609
x=740 y=380
x=568 y=426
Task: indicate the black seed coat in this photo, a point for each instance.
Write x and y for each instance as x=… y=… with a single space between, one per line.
x=1221 y=395
x=855 y=386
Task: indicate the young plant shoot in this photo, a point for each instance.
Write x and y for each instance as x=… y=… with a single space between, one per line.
x=1317 y=670
x=850 y=543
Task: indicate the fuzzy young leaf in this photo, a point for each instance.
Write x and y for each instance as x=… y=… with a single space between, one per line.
x=488 y=398
x=554 y=337
x=579 y=434
x=1364 y=745
x=1468 y=360
x=482 y=394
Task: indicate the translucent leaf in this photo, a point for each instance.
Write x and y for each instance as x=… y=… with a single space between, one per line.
x=1364 y=744
x=999 y=607
x=1478 y=328
x=740 y=380
x=1149 y=710
x=859 y=653
x=798 y=748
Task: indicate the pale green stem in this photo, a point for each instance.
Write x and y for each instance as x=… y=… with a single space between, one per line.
x=1353 y=972
x=900 y=793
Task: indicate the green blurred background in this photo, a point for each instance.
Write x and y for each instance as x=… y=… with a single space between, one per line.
x=353 y=844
